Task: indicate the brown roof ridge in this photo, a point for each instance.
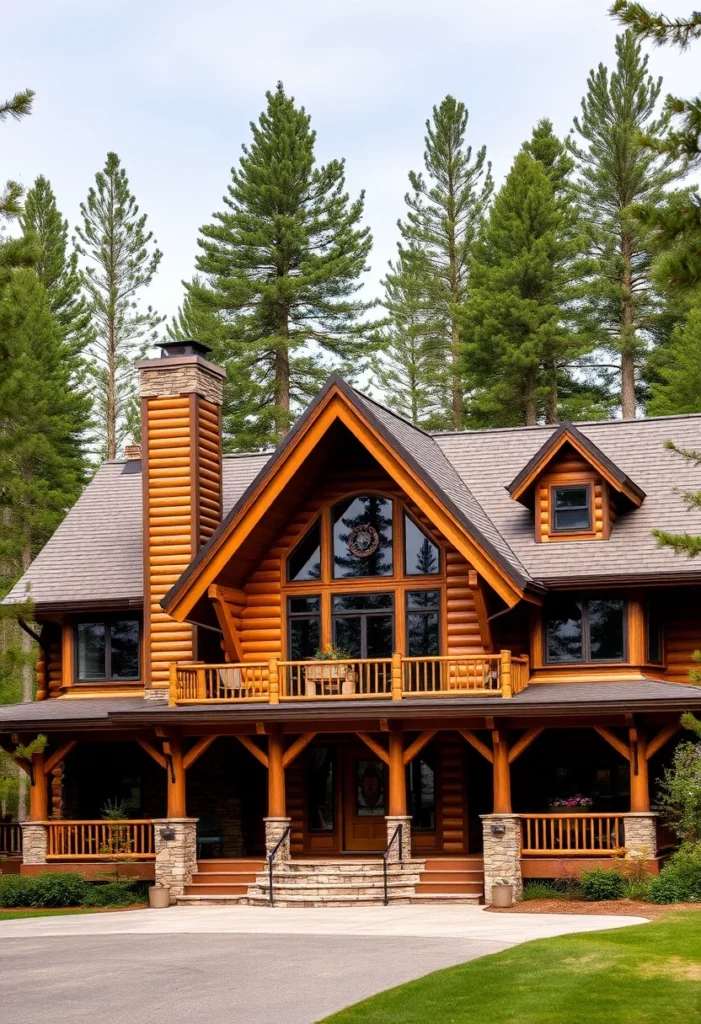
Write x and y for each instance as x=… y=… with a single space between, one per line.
x=522 y=428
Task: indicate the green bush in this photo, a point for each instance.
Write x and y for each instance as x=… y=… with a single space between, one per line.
x=638 y=889
x=679 y=881
x=13 y=891
x=602 y=884
x=542 y=890
x=117 y=894
x=47 y=889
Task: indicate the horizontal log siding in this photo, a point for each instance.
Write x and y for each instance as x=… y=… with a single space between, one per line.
x=170 y=519
x=462 y=625
x=451 y=789
x=209 y=468
x=682 y=636
x=54 y=671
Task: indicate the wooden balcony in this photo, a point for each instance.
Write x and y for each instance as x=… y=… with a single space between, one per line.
x=395 y=678
x=100 y=840
x=571 y=835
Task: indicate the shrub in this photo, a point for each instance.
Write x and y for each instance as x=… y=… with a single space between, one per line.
x=679 y=881
x=47 y=889
x=638 y=889
x=542 y=890
x=602 y=884
x=117 y=894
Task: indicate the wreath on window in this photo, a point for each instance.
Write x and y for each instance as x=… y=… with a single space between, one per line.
x=364 y=540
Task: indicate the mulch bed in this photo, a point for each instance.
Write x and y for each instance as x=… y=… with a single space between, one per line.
x=632 y=908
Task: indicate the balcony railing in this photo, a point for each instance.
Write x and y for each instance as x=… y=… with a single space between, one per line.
x=10 y=839
x=395 y=678
x=586 y=834
x=100 y=840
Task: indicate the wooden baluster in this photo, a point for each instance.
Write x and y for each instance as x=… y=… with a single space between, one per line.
x=274 y=682
x=506 y=690
x=396 y=676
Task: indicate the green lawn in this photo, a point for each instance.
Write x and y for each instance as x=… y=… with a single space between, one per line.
x=645 y=974
x=9 y=915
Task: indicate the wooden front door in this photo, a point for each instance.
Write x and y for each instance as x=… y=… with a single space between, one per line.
x=365 y=801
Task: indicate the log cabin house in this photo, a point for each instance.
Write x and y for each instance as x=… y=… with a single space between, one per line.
x=372 y=648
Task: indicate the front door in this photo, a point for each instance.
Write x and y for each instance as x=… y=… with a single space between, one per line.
x=365 y=801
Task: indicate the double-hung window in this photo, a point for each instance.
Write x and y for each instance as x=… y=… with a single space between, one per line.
x=108 y=650
x=585 y=630
x=571 y=509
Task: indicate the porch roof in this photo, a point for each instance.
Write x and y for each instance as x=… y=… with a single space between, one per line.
x=537 y=700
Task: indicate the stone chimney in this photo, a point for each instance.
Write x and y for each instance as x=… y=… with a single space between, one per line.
x=181 y=399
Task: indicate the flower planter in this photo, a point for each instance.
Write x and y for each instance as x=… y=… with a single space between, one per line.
x=502 y=896
x=158 y=897
x=328 y=677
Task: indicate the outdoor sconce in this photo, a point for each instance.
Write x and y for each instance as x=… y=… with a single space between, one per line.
x=167 y=833
x=497 y=829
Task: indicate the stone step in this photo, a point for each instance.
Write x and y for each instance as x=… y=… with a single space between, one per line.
x=322 y=879
x=373 y=900
x=200 y=900
x=225 y=877
x=346 y=867
x=212 y=889
x=328 y=891
x=452 y=876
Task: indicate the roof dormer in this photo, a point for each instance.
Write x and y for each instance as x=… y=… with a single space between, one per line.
x=574 y=489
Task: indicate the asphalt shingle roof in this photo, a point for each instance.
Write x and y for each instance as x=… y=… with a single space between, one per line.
x=96 y=553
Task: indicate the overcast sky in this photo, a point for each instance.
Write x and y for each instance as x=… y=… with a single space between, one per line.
x=172 y=86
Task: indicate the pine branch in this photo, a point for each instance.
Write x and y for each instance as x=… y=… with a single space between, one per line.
x=19 y=106
x=657 y=27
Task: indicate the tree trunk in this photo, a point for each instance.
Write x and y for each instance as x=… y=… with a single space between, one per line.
x=457 y=404
x=551 y=399
x=530 y=404
x=282 y=390
x=627 y=340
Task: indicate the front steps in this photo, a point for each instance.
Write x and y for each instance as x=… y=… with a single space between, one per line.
x=335 y=883
x=451 y=880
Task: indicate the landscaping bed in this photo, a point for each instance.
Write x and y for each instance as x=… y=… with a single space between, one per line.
x=632 y=908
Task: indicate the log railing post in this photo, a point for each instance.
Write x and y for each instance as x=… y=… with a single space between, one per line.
x=173 y=684
x=175 y=768
x=639 y=783
x=397 y=773
x=396 y=676
x=276 y=776
x=38 y=791
x=501 y=771
x=506 y=683
x=273 y=682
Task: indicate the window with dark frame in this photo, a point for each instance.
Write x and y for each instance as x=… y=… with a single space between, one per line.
x=304 y=626
x=423 y=623
x=304 y=563
x=108 y=650
x=571 y=508
x=363 y=624
x=585 y=630
x=421 y=555
x=653 y=633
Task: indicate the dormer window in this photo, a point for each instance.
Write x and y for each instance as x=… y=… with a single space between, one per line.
x=571 y=509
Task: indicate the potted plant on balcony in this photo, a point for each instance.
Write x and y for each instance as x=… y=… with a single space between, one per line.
x=502 y=893
x=332 y=668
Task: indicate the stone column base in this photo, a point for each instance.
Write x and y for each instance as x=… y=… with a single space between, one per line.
x=175 y=842
x=502 y=852
x=35 y=840
x=405 y=821
x=640 y=834
x=274 y=829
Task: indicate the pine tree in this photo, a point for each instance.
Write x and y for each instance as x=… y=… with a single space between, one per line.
x=675 y=226
x=56 y=266
x=615 y=174
x=677 y=387
x=408 y=369
x=113 y=238
x=446 y=207
x=11 y=196
x=518 y=342
x=280 y=269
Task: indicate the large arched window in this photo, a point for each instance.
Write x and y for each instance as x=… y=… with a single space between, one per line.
x=362 y=537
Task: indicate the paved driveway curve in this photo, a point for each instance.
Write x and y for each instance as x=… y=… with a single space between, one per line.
x=241 y=965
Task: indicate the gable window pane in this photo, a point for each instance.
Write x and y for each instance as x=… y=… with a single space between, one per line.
x=362 y=537
x=91 y=650
x=421 y=556
x=423 y=623
x=571 y=508
x=606 y=630
x=305 y=561
x=304 y=624
x=564 y=631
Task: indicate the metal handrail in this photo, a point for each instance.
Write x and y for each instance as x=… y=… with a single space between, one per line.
x=385 y=856
x=271 y=860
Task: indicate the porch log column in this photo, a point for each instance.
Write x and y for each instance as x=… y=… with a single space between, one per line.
x=501 y=771
x=397 y=798
x=38 y=791
x=175 y=768
x=277 y=821
x=639 y=783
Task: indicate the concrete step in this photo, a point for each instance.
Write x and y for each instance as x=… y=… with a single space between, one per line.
x=201 y=900
x=370 y=900
x=447 y=899
x=426 y=887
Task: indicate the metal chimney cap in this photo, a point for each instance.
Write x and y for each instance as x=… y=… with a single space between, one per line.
x=186 y=347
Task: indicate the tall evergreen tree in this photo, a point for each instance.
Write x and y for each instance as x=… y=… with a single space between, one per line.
x=116 y=244
x=446 y=206
x=279 y=269
x=616 y=173
x=518 y=341
x=408 y=369
x=677 y=384
x=57 y=264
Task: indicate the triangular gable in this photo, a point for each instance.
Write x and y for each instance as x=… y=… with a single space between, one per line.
x=520 y=487
x=409 y=455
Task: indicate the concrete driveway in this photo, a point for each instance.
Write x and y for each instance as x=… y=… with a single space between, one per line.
x=242 y=965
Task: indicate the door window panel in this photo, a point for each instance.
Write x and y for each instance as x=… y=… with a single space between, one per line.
x=379 y=636
x=421 y=555
x=423 y=623
x=321 y=803
x=365 y=626
x=362 y=537
x=304 y=623
x=422 y=793
x=347 y=636
x=369 y=788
